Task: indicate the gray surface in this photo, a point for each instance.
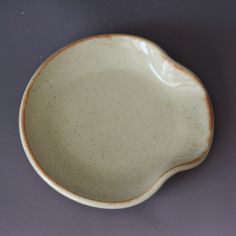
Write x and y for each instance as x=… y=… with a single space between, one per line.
x=198 y=34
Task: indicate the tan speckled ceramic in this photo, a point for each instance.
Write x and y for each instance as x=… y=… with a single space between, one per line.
x=108 y=119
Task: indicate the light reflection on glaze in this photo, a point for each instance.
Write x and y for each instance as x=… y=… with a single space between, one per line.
x=168 y=83
x=166 y=74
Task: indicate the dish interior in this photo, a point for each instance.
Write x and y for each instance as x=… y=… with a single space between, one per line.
x=107 y=117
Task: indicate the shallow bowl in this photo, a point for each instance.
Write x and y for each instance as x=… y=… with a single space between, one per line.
x=108 y=119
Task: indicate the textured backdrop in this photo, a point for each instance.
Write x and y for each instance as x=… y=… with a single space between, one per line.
x=199 y=34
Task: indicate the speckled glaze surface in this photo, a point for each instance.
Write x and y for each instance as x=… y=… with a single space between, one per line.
x=108 y=119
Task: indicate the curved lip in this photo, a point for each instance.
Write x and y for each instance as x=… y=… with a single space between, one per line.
x=162 y=179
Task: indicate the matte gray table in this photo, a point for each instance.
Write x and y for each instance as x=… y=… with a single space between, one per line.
x=199 y=34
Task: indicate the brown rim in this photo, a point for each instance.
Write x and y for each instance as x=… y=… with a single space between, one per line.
x=116 y=204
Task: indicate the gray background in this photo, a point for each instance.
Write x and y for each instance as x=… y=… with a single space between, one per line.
x=199 y=34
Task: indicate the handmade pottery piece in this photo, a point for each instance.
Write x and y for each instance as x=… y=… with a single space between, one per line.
x=108 y=119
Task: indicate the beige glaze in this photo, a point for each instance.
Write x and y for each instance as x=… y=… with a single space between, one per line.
x=106 y=120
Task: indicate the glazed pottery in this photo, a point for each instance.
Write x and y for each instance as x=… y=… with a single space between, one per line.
x=108 y=119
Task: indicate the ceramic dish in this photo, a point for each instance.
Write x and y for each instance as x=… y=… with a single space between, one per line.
x=108 y=119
